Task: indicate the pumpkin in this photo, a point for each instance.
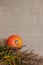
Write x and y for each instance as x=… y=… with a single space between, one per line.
x=14 y=41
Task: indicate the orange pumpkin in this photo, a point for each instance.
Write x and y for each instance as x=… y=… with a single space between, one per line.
x=14 y=41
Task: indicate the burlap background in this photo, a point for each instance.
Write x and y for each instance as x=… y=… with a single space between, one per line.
x=24 y=18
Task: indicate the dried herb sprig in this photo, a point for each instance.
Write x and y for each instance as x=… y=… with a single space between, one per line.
x=14 y=56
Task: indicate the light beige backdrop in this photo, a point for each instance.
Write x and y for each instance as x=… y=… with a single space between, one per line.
x=24 y=18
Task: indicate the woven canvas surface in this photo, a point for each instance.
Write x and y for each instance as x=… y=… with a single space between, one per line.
x=25 y=18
